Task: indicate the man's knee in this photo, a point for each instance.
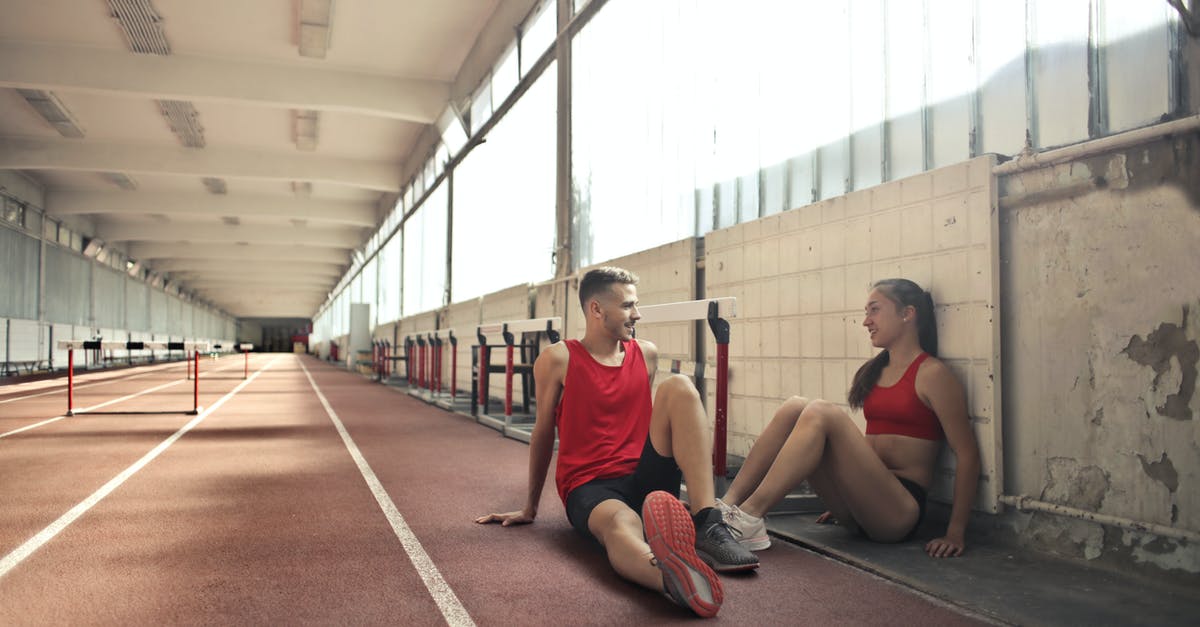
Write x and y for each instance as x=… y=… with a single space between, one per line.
x=675 y=386
x=612 y=518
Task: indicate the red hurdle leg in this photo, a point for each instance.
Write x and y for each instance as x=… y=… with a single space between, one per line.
x=196 y=386
x=70 y=382
x=722 y=409
x=439 y=367
x=482 y=376
x=453 y=369
x=508 y=377
x=246 y=369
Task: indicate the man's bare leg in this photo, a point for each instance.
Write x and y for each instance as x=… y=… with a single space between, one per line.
x=679 y=429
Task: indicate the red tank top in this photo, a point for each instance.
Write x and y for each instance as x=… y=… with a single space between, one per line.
x=603 y=417
x=898 y=410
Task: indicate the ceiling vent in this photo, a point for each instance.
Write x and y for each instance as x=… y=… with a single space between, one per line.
x=231 y=220
x=184 y=121
x=315 y=21
x=215 y=185
x=47 y=104
x=305 y=129
x=302 y=189
x=142 y=26
x=120 y=180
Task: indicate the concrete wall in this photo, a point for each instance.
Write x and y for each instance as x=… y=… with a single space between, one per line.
x=1101 y=320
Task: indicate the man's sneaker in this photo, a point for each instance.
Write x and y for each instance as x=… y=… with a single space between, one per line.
x=672 y=537
x=750 y=531
x=717 y=546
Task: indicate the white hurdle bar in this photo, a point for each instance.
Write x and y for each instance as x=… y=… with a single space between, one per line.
x=70 y=345
x=717 y=312
x=552 y=327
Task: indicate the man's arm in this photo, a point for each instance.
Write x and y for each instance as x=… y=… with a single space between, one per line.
x=548 y=373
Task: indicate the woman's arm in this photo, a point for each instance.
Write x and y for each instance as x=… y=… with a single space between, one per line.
x=945 y=395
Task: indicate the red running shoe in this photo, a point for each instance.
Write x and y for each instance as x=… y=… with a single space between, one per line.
x=672 y=536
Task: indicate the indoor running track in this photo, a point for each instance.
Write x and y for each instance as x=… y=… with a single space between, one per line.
x=307 y=495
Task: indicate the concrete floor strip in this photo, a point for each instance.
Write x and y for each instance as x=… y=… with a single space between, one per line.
x=31 y=545
x=452 y=609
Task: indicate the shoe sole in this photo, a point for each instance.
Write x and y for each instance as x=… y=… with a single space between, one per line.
x=760 y=543
x=672 y=537
x=725 y=568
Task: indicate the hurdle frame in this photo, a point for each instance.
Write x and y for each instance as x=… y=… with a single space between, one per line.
x=196 y=348
x=551 y=326
x=717 y=312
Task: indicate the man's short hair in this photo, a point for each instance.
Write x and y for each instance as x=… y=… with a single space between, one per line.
x=597 y=280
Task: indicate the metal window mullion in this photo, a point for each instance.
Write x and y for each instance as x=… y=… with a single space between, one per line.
x=973 y=141
x=927 y=68
x=1031 y=116
x=885 y=126
x=1177 y=83
x=1097 y=89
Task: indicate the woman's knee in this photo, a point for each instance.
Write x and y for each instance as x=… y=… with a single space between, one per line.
x=822 y=413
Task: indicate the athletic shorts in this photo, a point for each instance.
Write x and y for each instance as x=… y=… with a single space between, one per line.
x=918 y=494
x=653 y=472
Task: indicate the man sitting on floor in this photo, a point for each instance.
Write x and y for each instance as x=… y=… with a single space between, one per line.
x=620 y=454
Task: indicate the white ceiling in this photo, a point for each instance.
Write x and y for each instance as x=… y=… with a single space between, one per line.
x=261 y=250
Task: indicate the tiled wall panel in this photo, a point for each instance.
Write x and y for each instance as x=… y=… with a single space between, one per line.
x=801 y=279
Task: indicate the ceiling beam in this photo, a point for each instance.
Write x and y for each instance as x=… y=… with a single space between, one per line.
x=280 y=280
x=181 y=77
x=74 y=202
x=149 y=251
x=24 y=153
x=340 y=237
x=193 y=267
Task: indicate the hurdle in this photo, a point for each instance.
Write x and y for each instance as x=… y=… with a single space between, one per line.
x=98 y=345
x=246 y=348
x=550 y=326
x=422 y=376
x=717 y=312
x=439 y=339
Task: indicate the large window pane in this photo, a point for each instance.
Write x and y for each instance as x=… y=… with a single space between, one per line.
x=425 y=254
x=504 y=191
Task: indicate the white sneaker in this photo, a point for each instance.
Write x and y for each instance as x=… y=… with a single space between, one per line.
x=750 y=531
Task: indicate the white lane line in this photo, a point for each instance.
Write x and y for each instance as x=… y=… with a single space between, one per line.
x=95 y=407
x=11 y=560
x=452 y=609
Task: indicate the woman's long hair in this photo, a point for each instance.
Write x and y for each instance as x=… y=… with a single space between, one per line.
x=904 y=293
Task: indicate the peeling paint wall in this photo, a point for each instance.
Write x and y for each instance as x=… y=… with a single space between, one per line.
x=1100 y=301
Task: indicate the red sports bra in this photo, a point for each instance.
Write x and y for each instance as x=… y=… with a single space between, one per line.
x=898 y=410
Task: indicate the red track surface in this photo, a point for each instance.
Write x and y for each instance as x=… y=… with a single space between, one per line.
x=259 y=514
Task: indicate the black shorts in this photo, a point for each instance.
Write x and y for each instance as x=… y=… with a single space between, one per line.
x=918 y=494
x=653 y=472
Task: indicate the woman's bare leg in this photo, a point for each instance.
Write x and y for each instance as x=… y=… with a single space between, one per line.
x=824 y=437
x=765 y=450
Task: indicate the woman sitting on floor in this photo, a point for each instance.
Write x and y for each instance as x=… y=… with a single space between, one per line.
x=875 y=483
